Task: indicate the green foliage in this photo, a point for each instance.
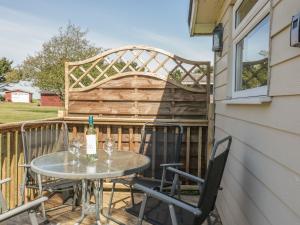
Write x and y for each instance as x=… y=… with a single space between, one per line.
x=176 y=75
x=5 y=67
x=14 y=75
x=46 y=67
x=255 y=74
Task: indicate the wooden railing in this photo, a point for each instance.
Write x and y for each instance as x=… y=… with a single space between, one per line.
x=126 y=131
x=11 y=157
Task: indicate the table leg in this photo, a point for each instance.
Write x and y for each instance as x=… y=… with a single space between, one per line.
x=84 y=204
x=98 y=192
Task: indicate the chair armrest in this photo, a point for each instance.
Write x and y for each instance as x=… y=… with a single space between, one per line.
x=13 y=212
x=167 y=199
x=5 y=181
x=25 y=165
x=171 y=164
x=186 y=175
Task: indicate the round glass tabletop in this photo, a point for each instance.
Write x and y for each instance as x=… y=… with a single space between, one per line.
x=62 y=165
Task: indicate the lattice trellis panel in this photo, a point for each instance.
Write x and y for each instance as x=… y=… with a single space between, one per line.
x=139 y=60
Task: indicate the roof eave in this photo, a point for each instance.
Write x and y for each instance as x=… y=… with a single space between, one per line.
x=202 y=23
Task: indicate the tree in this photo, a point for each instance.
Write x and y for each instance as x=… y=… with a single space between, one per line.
x=46 y=67
x=5 y=67
x=14 y=75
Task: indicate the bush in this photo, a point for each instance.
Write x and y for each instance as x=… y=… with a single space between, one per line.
x=2 y=98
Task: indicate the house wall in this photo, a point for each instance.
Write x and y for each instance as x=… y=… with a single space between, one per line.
x=50 y=100
x=262 y=177
x=26 y=98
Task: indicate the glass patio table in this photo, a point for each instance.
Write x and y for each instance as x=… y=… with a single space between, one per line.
x=63 y=165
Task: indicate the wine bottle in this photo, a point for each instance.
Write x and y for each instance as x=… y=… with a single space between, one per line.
x=91 y=140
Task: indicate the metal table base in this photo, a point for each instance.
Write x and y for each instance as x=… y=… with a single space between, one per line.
x=87 y=207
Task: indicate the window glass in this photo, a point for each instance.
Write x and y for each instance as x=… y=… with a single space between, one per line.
x=243 y=10
x=252 y=54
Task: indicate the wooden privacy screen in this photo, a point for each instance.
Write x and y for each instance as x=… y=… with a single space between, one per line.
x=139 y=82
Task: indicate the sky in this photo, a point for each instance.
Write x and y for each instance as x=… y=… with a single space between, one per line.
x=26 y=25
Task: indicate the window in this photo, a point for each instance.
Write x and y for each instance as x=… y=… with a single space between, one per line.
x=250 y=48
x=243 y=10
x=251 y=67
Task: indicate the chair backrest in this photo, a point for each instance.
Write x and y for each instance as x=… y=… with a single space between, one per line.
x=43 y=137
x=3 y=203
x=213 y=176
x=161 y=142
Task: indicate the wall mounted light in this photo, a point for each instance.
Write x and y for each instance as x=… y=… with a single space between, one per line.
x=218 y=38
x=295 y=31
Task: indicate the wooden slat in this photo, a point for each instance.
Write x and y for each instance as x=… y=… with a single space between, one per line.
x=142 y=82
x=153 y=151
x=8 y=164
x=131 y=146
x=119 y=138
x=188 y=149
x=136 y=139
x=199 y=151
x=101 y=136
x=97 y=137
x=151 y=95
x=15 y=168
x=46 y=139
x=56 y=131
x=165 y=144
x=51 y=137
x=108 y=131
x=85 y=129
x=20 y=171
x=74 y=132
x=42 y=152
x=128 y=108
x=125 y=121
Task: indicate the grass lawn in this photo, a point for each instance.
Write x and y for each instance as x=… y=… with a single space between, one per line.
x=14 y=112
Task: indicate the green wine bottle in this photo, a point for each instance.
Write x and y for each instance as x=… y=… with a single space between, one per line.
x=91 y=141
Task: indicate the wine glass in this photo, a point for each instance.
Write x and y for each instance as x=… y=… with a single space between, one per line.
x=109 y=146
x=74 y=149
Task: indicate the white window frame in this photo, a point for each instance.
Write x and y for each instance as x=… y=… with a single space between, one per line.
x=259 y=11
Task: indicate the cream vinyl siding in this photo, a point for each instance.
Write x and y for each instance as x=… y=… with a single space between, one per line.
x=262 y=177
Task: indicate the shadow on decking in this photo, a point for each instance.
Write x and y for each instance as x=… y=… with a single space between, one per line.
x=64 y=216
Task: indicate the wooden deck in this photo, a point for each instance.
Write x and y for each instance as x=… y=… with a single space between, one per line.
x=65 y=216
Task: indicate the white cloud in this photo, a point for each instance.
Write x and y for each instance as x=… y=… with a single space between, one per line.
x=21 y=34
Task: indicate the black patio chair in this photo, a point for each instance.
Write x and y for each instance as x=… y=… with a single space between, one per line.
x=41 y=138
x=162 y=143
x=22 y=214
x=162 y=209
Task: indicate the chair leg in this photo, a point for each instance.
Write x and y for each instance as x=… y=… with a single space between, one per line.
x=22 y=187
x=75 y=196
x=142 y=210
x=209 y=222
x=110 y=202
x=41 y=194
x=32 y=217
x=179 y=189
x=173 y=215
x=132 y=195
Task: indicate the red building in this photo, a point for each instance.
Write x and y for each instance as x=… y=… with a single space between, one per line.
x=50 y=99
x=18 y=96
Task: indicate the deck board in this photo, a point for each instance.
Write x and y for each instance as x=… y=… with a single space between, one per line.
x=64 y=216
